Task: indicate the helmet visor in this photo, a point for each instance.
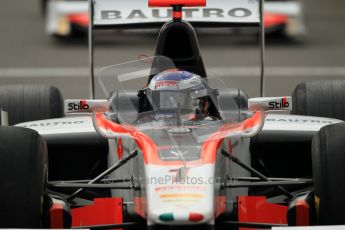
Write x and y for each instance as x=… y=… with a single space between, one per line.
x=175 y=100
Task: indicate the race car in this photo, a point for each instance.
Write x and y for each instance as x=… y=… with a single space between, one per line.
x=171 y=147
x=70 y=17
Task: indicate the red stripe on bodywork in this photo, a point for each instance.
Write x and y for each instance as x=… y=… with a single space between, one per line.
x=56 y=216
x=119 y=148
x=149 y=148
x=212 y=144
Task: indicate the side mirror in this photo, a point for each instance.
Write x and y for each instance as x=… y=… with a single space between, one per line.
x=270 y=104
x=85 y=106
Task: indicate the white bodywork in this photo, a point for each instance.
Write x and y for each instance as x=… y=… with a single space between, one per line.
x=270 y=103
x=180 y=199
x=110 y=12
x=163 y=194
x=82 y=125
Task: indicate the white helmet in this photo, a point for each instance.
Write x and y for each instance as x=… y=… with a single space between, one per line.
x=174 y=89
x=174 y=79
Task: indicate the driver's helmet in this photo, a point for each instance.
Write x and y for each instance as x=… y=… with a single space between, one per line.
x=177 y=89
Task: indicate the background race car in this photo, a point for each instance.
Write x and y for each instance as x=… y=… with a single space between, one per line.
x=69 y=17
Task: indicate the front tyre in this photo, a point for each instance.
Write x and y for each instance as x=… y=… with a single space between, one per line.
x=23 y=170
x=328 y=155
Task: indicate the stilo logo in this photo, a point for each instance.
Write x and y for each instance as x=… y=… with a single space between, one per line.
x=283 y=103
x=77 y=106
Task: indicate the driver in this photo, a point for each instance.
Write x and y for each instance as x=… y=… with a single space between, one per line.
x=174 y=90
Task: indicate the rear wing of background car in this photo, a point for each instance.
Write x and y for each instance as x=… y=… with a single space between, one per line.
x=138 y=14
x=220 y=13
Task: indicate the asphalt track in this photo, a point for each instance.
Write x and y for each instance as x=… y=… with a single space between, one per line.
x=27 y=55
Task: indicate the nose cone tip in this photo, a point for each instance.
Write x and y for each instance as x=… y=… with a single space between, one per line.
x=191 y=217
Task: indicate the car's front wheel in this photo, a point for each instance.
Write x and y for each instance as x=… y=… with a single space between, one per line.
x=328 y=156
x=23 y=170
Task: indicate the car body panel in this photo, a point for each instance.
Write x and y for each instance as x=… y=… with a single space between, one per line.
x=175 y=194
x=76 y=125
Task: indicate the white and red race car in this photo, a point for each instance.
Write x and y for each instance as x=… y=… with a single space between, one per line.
x=172 y=147
x=67 y=17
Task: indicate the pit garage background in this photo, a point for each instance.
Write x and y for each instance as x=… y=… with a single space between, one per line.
x=29 y=56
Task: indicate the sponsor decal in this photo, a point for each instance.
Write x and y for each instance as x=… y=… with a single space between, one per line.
x=296 y=120
x=78 y=106
x=166 y=84
x=283 y=103
x=211 y=13
x=52 y=124
x=181 y=195
x=180 y=188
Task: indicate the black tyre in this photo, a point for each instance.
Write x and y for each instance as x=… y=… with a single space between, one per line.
x=328 y=152
x=320 y=98
x=31 y=102
x=23 y=167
